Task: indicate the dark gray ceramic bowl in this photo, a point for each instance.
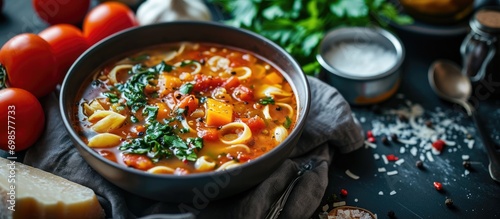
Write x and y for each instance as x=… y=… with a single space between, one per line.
x=194 y=188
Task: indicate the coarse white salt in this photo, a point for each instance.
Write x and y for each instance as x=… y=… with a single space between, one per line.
x=350 y=174
x=381 y=169
x=411 y=141
x=384 y=157
x=392 y=192
x=422 y=157
x=429 y=156
x=466 y=172
x=392 y=173
x=355 y=200
x=470 y=144
x=376 y=156
x=402 y=150
x=360 y=59
x=465 y=157
x=400 y=161
x=362 y=119
x=380 y=193
x=414 y=151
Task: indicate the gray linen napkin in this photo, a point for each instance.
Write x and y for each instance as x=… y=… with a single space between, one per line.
x=329 y=127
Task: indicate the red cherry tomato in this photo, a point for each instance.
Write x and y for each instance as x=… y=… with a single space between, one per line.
x=23 y=119
x=107 y=19
x=57 y=11
x=67 y=43
x=30 y=64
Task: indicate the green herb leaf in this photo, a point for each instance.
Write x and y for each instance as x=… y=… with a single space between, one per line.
x=151 y=112
x=186 y=88
x=134 y=119
x=266 y=101
x=287 y=123
x=113 y=98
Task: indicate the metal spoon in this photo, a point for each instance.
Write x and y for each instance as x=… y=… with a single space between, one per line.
x=449 y=83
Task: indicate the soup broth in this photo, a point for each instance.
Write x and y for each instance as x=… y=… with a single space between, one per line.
x=186 y=108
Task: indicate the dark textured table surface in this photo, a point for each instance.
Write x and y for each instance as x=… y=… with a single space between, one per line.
x=475 y=194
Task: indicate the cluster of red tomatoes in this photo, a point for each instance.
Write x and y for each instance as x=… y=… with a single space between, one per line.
x=33 y=65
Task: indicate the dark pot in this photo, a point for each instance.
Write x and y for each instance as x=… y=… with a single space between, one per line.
x=195 y=188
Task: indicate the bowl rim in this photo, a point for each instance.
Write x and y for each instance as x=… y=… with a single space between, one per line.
x=64 y=109
x=380 y=32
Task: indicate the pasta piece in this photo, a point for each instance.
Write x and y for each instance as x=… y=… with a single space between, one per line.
x=107 y=121
x=112 y=73
x=104 y=140
x=202 y=164
x=220 y=93
x=232 y=134
x=198 y=113
x=243 y=72
x=89 y=109
x=271 y=91
x=238 y=147
x=228 y=165
x=170 y=55
x=267 y=113
x=258 y=71
x=195 y=71
x=280 y=134
x=187 y=126
x=161 y=170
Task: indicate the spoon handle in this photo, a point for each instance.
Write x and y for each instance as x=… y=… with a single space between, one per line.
x=491 y=149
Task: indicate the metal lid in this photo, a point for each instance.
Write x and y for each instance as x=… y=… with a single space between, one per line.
x=486 y=21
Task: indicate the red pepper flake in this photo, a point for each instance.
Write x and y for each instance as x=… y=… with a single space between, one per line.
x=391 y=157
x=438 y=186
x=343 y=192
x=371 y=139
x=438 y=145
x=369 y=134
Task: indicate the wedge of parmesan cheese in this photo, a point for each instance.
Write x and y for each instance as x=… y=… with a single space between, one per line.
x=27 y=192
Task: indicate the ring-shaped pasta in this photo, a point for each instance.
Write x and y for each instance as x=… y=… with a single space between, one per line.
x=267 y=113
x=187 y=126
x=112 y=73
x=280 y=134
x=243 y=136
x=195 y=71
x=161 y=170
x=228 y=165
x=202 y=164
x=271 y=91
x=170 y=55
x=239 y=146
x=243 y=72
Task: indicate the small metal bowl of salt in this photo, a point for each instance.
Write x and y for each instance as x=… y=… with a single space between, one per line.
x=363 y=63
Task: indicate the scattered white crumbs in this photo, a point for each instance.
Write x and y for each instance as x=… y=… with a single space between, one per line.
x=414 y=151
x=380 y=193
x=376 y=156
x=392 y=192
x=381 y=169
x=350 y=174
x=369 y=144
x=391 y=173
x=465 y=157
x=400 y=161
x=338 y=204
x=429 y=156
x=385 y=159
x=355 y=200
x=470 y=144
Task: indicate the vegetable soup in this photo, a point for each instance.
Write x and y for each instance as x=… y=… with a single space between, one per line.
x=186 y=108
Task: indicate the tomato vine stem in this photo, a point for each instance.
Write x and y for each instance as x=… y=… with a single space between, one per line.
x=3 y=77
